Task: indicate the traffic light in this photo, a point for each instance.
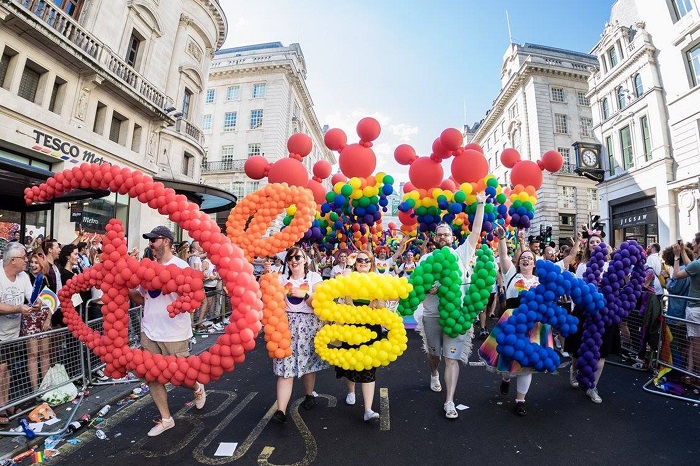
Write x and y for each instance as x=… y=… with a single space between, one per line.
x=547 y=234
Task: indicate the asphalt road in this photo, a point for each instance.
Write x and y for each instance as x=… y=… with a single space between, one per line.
x=562 y=425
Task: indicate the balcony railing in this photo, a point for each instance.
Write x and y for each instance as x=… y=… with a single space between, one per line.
x=65 y=26
x=185 y=127
x=568 y=168
x=222 y=166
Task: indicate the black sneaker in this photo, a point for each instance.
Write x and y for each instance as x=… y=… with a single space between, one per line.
x=483 y=333
x=520 y=409
x=309 y=402
x=278 y=417
x=100 y=376
x=505 y=386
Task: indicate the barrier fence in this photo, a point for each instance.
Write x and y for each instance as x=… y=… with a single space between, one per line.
x=25 y=361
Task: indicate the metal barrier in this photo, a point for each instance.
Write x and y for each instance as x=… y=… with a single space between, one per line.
x=212 y=316
x=677 y=360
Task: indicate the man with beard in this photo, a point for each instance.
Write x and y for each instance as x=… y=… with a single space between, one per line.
x=439 y=345
x=161 y=334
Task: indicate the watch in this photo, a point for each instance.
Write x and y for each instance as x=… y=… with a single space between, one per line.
x=589 y=158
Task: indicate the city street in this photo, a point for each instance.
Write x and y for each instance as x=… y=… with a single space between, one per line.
x=562 y=425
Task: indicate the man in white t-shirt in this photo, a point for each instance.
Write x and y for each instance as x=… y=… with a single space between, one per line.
x=438 y=344
x=15 y=293
x=160 y=333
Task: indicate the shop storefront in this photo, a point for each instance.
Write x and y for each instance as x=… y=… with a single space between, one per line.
x=635 y=217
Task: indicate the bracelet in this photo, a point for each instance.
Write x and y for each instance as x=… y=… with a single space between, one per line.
x=676 y=258
x=480 y=203
x=307 y=296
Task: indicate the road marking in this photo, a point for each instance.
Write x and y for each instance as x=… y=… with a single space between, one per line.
x=384 y=414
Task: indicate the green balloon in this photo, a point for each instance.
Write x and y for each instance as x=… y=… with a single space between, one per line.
x=492 y=182
x=460 y=197
x=333 y=216
x=287 y=220
x=421 y=210
x=501 y=198
x=364 y=201
x=330 y=196
x=346 y=190
x=411 y=202
x=388 y=179
x=374 y=200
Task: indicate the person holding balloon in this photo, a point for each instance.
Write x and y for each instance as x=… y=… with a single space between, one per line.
x=517 y=278
x=387 y=264
x=364 y=263
x=299 y=284
x=438 y=344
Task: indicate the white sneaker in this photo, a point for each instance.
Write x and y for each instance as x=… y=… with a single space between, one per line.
x=161 y=426
x=371 y=415
x=200 y=397
x=593 y=395
x=350 y=399
x=572 y=378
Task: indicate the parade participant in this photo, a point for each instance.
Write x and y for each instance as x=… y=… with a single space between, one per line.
x=277 y=265
x=408 y=264
x=326 y=264
x=51 y=252
x=83 y=260
x=304 y=362
x=438 y=344
x=364 y=263
x=341 y=265
x=518 y=278
x=388 y=264
x=160 y=333
x=692 y=311
x=38 y=348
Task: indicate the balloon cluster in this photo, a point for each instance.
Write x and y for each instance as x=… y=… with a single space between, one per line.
x=361 y=199
x=118 y=272
x=275 y=322
x=348 y=320
x=442 y=266
x=513 y=334
x=249 y=220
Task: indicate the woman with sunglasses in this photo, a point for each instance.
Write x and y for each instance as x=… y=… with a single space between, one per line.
x=299 y=284
x=341 y=266
x=518 y=278
x=38 y=349
x=364 y=263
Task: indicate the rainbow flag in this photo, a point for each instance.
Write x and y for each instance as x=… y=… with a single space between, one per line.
x=49 y=298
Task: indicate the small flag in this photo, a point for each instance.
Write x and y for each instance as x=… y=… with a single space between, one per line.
x=49 y=299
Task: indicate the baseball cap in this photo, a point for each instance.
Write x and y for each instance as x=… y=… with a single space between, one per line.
x=159 y=232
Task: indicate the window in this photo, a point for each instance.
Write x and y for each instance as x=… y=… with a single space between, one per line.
x=256 y=119
x=186 y=99
x=252 y=186
x=230 y=121
x=206 y=122
x=227 y=154
x=72 y=7
x=253 y=149
x=238 y=189
x=567 y=197
x=557 y=94
x=132 y=49
x=4 y=64
x=567 y=220
x=626 y=146
x=259 y=90
x=58 y=93
x=568 y=167
x=233 y=93
x=586 y=126
x=516 y=139
x=612 y=55
x=513 y=111
x=100 y=115
x=29 y=83
x=582 y=99
x=117 y=128
x=503 y=127
x=136 y=138
x=187 y=164
x=605 y=105
x=621 y=102
x=612 y=163
x=646 y=137
x=593 y=200
x=560 y=124
x=693 y=57
x=682 y=7
x=210 y=96
x=638 y=87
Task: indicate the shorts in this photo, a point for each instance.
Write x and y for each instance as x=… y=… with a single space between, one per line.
x=440 y=344
x=166 y=348
x=693 y=314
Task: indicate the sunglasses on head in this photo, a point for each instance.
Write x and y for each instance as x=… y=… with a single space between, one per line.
x=297 y=257
x=363 y=260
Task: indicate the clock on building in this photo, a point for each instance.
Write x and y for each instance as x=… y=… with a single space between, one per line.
x=588 y=161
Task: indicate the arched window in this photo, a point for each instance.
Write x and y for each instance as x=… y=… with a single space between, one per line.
x=621 y=102
x=638 y=87
x=516 y=139
x=606 y=108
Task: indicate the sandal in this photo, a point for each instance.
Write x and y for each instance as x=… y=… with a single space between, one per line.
x=450 y=411
x=435 y=383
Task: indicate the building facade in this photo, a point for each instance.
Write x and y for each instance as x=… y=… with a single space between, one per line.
x=119 y=82
x=255 y=100
x=543 y=106
x=645 y=97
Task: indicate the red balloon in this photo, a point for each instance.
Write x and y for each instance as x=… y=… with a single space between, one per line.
x=448 y=185
x=357 y=160
x=526 y=173
x=552 y=161
x=408 y=187
x=392 y=226
x=451 y=139
x=425 y=173
x=322 y=169
x=509 y=157
x=405 y=154
x=319 y=191
x=406 y=219
x=299 y=143
x=255 y=167
x=439 y=150
x=335 y=139
x=290 y=171
x=469 y=167
x=338 y=178
x=368 y=129
x=474 y=146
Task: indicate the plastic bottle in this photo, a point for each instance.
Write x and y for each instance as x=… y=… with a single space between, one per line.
x=79 y=424
x=29 y=433
x=105 y=409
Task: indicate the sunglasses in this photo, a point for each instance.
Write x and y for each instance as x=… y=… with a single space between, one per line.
x=362 y=260
x=298 y=257
x=153 y=240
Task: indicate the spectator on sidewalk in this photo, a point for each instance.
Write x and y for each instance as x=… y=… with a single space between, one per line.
x=160 y=333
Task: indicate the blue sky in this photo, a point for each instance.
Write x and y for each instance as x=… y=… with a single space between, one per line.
x=412 y=65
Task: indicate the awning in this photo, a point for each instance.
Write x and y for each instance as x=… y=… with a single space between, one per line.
x=208 y=199
x=16 y=176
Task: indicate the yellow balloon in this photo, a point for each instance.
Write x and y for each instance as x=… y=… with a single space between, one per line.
x=471 y=199
x=380 y=177
x=291 y=210
x=355 y=182
x=368 y=191
x=338 y=186
x=466 y=187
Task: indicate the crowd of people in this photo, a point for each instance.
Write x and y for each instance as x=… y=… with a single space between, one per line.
x=674 y=270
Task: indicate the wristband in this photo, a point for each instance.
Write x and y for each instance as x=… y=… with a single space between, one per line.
x=676 y=258
x=306 y=296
